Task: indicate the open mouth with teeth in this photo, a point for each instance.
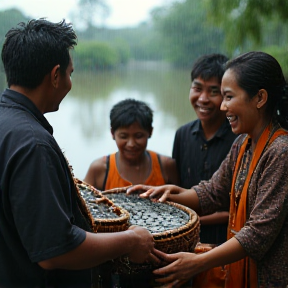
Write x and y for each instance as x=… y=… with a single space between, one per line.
x=231 y=118
x=204 y=110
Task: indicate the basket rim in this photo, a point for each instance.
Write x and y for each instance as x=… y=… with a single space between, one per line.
x=123 y=214
x=191 y=225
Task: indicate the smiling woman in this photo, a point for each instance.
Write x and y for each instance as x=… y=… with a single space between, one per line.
x=247 y=107
x=252 y=181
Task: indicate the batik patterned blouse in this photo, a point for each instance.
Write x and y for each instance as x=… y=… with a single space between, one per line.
x=265 y=234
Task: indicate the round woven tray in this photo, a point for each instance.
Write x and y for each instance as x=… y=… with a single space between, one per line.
x=106 y=216
x=120 y=272
x=183 y=238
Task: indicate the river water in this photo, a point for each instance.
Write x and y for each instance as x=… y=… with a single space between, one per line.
x=81 y=125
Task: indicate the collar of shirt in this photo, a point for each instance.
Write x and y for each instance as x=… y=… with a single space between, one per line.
x=20 y=101
x=197 y=128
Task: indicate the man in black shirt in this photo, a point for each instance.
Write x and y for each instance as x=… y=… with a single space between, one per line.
x=45 y=238
x=200 y=146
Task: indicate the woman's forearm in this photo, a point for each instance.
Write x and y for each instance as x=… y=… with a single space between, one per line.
x=188 y=197
x=215 y=218
x=228 y=252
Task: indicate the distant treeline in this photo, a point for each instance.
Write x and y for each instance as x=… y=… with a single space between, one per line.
x=180 y=32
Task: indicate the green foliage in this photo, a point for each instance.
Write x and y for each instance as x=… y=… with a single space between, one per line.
x=144 y=43
x=89 y=11
x=91 y=55
x=245 y=22
x=8 y=19
x=122 y=49
x=185 y=33
x=281 y=55
x=141 y=41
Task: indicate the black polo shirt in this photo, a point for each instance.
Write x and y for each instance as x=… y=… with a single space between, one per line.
x=39 y=216
x=197 y=159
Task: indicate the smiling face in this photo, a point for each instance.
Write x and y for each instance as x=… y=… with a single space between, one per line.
x=243 y=112
x=131 y=141
x=206 y=98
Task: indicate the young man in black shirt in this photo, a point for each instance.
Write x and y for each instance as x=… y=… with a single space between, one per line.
x=201 y=145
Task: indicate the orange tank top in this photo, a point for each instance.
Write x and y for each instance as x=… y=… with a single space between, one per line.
x=114 y=179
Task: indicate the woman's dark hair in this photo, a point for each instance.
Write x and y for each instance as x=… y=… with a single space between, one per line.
x=258 y=70
x=208 y=66
x=128 y=111
x=32 y=49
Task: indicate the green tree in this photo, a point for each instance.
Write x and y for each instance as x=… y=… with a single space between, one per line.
x=281 y=55
x=122 y=49
x=185 y=34
x=95 y=56
x=90 y=11
x=247 y=23
x=141 y=41
x=8 y=19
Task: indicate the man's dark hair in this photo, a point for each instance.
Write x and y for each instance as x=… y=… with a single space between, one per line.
x=128 y=111
x=31 y=50
x=208 y=66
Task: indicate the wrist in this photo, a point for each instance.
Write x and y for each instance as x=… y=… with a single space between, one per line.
x=131 y=241
x=205 y=261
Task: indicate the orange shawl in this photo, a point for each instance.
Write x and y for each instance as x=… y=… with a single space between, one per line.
x=243 y=273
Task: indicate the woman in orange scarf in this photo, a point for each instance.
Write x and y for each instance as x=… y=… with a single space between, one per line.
x=252 y=181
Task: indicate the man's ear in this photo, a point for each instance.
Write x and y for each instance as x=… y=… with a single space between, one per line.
x=262 y=98
x=54 y=75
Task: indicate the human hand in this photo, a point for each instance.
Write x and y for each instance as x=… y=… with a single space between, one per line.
x=144 y=250
x=160 y=193
x=179 y=269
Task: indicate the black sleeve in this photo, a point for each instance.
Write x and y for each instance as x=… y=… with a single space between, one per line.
x=41 y=204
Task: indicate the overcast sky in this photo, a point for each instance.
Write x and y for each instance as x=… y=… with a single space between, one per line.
x=124 y=13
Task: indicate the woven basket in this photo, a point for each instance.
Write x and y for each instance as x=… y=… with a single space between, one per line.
x=119 y=221
x=121 y=272
x=183 y=238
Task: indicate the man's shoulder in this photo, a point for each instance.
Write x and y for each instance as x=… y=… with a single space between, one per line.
x=190 y=126
x=23 y=131
x=23 y=125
